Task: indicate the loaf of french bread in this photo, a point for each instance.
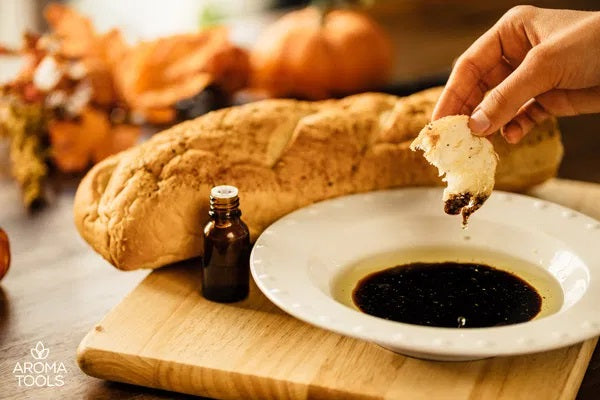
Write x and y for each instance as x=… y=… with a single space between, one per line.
x=145 y=207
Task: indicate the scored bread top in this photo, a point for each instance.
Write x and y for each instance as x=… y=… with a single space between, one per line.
x=145 y=207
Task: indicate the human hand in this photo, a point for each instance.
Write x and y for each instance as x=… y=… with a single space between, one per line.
x=535 y=63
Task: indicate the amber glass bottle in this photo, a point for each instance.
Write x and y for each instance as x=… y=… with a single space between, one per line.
x=225 y=269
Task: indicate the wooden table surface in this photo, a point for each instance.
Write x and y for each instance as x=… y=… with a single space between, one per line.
x=57 y=288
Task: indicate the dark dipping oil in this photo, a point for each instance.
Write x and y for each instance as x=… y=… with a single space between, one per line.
x=447 y=294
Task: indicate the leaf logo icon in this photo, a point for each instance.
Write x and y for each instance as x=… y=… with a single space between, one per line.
x=39 y=352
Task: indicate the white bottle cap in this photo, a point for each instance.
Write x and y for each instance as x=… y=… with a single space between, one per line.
x=224 y=192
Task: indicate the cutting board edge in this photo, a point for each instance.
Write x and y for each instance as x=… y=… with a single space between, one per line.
x=573 y=383
x=90 y=360
x=294 y=390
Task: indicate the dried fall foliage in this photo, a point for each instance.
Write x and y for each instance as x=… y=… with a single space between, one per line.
x=87 y=93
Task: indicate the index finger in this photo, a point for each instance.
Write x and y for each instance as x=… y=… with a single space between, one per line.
x=477 y=70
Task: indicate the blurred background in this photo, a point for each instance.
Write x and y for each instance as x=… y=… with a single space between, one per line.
x=426 y=36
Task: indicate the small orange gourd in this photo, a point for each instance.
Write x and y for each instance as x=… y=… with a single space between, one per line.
x=4 y=254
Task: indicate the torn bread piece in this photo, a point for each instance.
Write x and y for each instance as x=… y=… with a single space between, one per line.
x=467 y=162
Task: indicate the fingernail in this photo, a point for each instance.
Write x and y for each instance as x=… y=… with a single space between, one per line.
x=479 y=122
x=512 y=132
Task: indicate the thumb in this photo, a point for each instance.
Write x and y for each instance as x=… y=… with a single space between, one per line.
x=555 y=102
x=501 y=104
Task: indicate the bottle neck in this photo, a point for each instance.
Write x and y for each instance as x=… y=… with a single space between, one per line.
x=224 y=209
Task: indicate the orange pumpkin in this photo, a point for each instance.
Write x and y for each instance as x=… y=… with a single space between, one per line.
x=312 y=55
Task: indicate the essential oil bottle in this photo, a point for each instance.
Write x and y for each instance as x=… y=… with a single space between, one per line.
x=225 y=264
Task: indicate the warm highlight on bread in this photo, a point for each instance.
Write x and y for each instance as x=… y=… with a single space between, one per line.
x=145 y=207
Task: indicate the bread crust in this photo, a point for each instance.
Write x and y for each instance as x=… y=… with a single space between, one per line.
x=145 y=207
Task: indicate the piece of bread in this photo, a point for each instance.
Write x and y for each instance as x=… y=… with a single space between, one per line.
x=466 y=162
x=146 y=207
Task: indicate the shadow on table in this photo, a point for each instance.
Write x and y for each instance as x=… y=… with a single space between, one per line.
x=106 y=390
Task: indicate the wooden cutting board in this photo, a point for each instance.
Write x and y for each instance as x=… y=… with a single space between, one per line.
x=165 y=335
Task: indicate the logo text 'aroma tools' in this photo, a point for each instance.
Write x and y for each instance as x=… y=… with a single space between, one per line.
x=40 y=372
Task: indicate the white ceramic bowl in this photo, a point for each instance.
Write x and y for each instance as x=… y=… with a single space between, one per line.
x=301 y=262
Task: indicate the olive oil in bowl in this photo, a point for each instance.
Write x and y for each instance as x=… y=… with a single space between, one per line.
x=450 y=287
